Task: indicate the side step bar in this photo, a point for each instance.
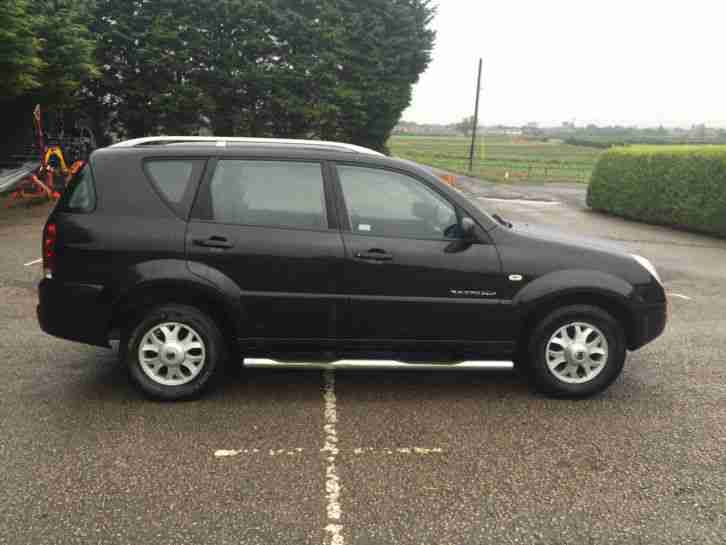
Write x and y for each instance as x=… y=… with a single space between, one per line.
x=379 y=364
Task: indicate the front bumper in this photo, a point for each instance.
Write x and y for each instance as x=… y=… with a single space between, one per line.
x=650 y=322
x=76 y=312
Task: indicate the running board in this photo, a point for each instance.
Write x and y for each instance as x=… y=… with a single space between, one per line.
x=379 y=364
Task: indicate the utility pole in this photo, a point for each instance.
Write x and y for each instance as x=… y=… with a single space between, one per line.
x=476 y=118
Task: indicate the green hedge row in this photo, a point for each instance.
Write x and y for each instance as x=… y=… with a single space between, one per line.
x=683 y=186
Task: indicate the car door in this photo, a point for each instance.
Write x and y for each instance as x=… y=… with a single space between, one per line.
x=409 y=272
x=265 y=226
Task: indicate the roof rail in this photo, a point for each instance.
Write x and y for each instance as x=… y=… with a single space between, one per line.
x=222 y=141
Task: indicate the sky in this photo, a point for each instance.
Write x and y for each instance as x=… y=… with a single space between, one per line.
x=627 y=62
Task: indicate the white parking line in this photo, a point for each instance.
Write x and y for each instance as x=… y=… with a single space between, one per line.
x=333 y=529
x=680 y=296
x=35 y=262
x=223 y=453
x=399 y=450
x=229 y=453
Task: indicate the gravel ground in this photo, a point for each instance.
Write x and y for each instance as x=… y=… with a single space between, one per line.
x=423 y=458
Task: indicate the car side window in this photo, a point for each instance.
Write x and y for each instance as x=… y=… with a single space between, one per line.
x=80 y=194
x=283 y=194
x=386 y=203
x=173 y=176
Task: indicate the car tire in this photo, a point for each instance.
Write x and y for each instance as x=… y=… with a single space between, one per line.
x=576 y=351
x=174 y=352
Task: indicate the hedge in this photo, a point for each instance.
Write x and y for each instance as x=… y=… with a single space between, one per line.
x=682 y=186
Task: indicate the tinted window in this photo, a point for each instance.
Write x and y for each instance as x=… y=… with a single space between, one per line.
x=385 y=203
x=173 y=177
x=80 y=194
x=269 y=193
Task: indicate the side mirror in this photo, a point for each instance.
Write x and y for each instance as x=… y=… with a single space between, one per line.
x=467 y=236
x=468 y=227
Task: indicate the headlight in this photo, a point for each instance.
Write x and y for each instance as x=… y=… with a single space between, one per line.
x=648 y=266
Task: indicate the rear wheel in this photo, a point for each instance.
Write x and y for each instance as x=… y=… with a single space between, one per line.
x=576 y=351
x=174 y=352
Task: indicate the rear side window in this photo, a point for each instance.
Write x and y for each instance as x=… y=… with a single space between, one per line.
x=173 y=177
x=269 y=193
x=80 y=194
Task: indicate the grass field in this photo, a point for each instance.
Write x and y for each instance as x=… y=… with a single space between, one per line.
x=500 y=158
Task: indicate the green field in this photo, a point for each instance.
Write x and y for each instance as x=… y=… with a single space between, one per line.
x=500 y=158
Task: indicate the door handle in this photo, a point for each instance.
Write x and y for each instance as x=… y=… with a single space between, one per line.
x=213 y=242
x=374 y=254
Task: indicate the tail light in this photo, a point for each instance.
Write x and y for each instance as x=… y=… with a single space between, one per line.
x=49 y=237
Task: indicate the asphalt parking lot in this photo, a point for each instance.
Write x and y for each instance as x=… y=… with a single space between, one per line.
x=279 y=456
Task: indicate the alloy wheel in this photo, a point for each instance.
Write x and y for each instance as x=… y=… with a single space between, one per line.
x=576 y=353
x=172 y=354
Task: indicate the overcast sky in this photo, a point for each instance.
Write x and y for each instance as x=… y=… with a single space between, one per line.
x=640 y=62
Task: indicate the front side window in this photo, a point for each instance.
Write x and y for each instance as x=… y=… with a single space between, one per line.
x=269 y=193
x=386 y=203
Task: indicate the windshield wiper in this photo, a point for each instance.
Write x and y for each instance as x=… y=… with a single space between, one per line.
x=501 y=220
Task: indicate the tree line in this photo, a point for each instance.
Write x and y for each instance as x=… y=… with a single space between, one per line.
x=330 y=69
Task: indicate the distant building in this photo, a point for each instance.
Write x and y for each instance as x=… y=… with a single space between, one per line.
x=503 y=130
x=532 y=129
x=424 y=129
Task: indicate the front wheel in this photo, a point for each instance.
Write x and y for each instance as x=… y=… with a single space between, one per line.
x=576 y=351
x=174 y=352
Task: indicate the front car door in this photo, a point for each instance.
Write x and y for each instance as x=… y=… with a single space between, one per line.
x=264 y=225
x=412 y=280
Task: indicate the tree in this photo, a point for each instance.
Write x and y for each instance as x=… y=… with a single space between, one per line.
x=20 y=62
x=244 y=67
x=145 y=51
x=373 y=53
x=329 y=69
x=66 y=49
x=46 y=55
x=466 y=125
x=290 y=68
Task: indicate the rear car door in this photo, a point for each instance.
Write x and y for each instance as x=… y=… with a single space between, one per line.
x=265 y=226
x=408 y=272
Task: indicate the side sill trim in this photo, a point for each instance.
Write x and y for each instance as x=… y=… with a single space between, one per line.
x=379 y=364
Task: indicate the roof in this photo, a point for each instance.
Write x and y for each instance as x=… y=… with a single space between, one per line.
x=224 y=141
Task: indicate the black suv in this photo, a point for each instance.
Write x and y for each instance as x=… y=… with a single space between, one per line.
x=193 y=252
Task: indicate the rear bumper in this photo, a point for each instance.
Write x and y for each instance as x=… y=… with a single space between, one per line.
x=650 y=322
x=76 y=312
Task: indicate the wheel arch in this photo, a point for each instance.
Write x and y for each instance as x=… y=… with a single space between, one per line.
x=611 y=304
x=134 y=303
